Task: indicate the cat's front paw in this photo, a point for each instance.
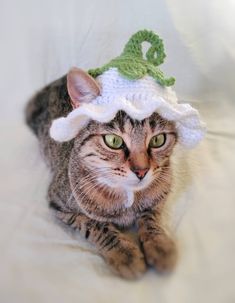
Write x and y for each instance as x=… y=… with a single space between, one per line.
x=126 y=259
x=161 y=252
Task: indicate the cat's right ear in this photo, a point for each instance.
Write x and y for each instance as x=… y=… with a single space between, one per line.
x=81 y=87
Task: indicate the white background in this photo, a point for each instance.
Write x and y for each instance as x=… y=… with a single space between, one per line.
x=39 y=42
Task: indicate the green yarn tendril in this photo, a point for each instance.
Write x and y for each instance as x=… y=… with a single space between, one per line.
x=132 y=64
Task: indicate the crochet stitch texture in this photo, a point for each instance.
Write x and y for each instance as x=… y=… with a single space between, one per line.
x=136 y=86
x=131 y=63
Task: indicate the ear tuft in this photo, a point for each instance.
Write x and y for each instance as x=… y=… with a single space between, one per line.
x=82 y=88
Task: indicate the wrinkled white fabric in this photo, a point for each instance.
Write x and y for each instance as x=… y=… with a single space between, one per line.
x=40 y=42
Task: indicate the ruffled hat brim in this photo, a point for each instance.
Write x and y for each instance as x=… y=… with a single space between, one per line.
x=139 y=99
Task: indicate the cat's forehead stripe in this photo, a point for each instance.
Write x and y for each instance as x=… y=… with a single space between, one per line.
x=125 y=123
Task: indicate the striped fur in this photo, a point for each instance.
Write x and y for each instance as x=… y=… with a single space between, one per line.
x=92 y=183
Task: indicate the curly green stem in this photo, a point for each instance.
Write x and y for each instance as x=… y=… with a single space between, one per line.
x=132 y=64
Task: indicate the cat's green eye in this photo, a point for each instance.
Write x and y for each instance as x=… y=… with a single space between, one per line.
x=157 y=141
x=113 y=141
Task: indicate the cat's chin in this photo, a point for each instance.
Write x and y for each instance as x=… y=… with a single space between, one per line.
x=130 y=186
x=134 y=186
x=141 y=186
x=138 y=186
x=128 y=190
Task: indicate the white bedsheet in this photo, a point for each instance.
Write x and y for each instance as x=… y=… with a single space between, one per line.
x=40 y=41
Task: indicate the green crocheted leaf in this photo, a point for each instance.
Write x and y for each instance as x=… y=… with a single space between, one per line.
x=132 y=72
x=132 y=64
x=132 y=68
x=158 y=75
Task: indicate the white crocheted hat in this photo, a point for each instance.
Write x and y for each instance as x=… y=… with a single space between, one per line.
x=125 y=85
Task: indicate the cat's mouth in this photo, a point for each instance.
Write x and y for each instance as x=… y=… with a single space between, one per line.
x=134 y=184
x=139 y=185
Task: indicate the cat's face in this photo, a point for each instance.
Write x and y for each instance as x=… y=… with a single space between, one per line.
x=126 y=153
x=120 y=165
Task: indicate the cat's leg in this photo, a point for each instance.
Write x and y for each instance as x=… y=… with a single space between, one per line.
x=119 y=251
x=159 y=248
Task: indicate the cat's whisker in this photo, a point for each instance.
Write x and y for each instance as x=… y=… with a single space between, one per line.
x=72 y=194
x=84 y=193
x=88 y=182
x=87 y=178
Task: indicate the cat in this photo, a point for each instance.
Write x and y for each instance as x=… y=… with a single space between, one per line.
x=110 y=177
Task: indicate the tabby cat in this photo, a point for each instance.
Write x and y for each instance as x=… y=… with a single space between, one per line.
x=110 y=177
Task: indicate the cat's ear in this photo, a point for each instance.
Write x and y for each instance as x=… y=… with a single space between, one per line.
x=81 y=87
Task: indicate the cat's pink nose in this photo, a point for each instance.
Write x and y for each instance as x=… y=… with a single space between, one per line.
x=140 y=173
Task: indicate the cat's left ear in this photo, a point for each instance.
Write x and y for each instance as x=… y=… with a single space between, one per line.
x=82 y=88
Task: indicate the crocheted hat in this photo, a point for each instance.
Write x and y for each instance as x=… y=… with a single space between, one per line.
x=135 y=85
